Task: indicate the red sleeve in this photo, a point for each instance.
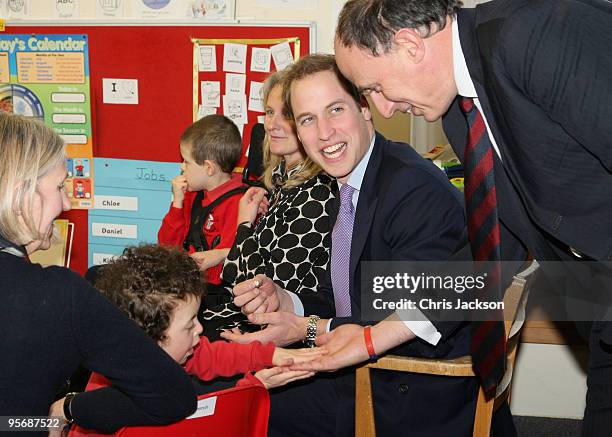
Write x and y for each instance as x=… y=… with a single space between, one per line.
x=175 y=224
x=221 y=358
x=230 y=217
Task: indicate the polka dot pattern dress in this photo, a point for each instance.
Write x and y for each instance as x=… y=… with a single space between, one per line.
x=291 y=243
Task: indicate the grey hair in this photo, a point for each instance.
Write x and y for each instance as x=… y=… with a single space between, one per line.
x=371 y=24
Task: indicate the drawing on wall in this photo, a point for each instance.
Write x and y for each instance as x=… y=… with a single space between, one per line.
x=234 y=57
x=17 y=8
x=109 y=8
x=67 y=8
x=281 y=53
x=208 y=58
x=156 y=4
x=260 y=60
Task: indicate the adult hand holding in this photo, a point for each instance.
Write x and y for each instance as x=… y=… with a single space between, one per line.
x=261 y=295
x=251 y=204
x=283 y=328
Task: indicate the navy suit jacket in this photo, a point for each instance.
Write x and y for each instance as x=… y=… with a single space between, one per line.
x=407 y=210
x=541 y=70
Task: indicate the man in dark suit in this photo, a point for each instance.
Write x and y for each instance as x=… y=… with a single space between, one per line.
x=399 y=207
x=538 y=74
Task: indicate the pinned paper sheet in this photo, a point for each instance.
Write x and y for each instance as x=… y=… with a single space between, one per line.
x=260 y=60
x=203 y=111
x=256 y=97
x=211 y=93
x=235 y=108
x=207 y=61
x=66 y=8
x=234 y=57
x=109 y=8
x=235 y=83
x=281 y=53
x=120 y=91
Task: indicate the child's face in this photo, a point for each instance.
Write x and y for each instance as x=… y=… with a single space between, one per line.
x=197 y=175
x=184 y=331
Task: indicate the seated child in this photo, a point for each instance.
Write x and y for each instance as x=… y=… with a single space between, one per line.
x=204 y=209
x=159 y=287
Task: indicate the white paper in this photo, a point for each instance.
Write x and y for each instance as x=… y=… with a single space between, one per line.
x=235 y=108
x=234 y=57
x=235 y=83
x=120 y=91
x=260 y=59
x=281 y=53
x=211 y=93
x=157 y=9
x=208 y=58
x=294 y=4
x=66 y=8
x=206 y=407
x=209 y=9
x=261 y=119
x=109 y=8
x=256 y=97
x=17 y=8
x=203 y=111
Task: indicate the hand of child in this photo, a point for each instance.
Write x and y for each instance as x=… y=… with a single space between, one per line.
x=179 y=186
x=287 y=357
x=250 y=204
x=277 y=376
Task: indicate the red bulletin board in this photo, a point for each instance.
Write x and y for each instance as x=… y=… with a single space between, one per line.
x=160 y=56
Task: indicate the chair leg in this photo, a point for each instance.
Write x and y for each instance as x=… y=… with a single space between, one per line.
x=484 y=414
x=364 y=408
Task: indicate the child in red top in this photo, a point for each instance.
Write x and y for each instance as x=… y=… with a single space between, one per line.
x=159 y=288
x=211 y=148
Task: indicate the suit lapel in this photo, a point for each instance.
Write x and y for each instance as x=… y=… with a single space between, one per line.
x=366 y=207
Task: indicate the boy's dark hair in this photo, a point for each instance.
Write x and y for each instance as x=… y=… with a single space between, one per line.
x=146 y=283
x=216 y=138
x=312 y=64
x=371 y=24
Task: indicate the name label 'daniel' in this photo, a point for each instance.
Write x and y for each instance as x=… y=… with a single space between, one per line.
x=114 y=230
x=122 y=203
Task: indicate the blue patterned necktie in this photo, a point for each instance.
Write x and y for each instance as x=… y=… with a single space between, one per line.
x=341 y=252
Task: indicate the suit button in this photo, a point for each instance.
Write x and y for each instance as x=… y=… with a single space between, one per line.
x=403 y=388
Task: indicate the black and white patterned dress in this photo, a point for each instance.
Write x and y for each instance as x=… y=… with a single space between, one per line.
x=290 y=244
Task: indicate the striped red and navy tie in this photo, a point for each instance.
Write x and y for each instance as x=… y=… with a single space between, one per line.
x=488 y=346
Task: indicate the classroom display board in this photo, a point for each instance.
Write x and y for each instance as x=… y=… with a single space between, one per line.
x=160 y=59
x=47 y=77
x=132 y=197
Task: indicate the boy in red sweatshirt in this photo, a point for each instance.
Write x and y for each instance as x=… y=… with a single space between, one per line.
x=159 y=287
x=204 y=209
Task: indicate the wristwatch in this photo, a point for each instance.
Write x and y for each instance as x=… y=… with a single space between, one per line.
x=311 y=330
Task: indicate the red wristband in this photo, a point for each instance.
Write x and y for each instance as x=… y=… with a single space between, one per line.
x=367 y=335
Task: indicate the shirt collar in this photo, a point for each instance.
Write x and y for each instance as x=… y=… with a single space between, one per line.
x=355 y=179
x=465 y=85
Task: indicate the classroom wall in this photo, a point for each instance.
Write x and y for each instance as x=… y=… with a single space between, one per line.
x=549 y=380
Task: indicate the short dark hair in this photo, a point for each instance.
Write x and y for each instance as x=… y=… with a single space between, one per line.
x=216 y=138
x=146 y=283
x=312 y=64
x=371 y=24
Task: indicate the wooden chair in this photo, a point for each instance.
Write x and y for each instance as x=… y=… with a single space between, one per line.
x=514 y=316
x=235 y=412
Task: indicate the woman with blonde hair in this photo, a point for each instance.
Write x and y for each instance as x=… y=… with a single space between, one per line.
x=53 y=320
x=290 y=242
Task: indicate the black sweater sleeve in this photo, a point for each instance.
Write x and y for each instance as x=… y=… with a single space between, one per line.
x=148 y=387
